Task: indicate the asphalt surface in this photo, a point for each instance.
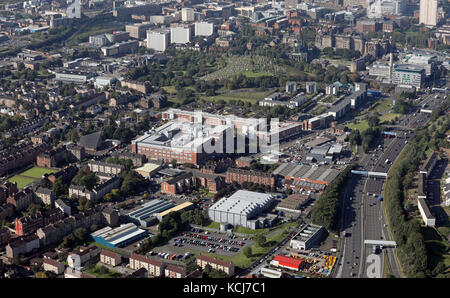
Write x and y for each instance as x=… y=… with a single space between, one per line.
x=362 y=216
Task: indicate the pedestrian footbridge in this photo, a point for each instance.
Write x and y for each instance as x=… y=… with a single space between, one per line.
x=370 y=174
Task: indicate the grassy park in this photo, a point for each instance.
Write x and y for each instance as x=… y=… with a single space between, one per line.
x=250 y=66
x=29 y=176
x=245 y=96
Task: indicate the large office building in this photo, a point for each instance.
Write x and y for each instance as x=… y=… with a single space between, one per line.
x=428 y=12
x=204 y=29
x=138 y=31
x=76 y=77
x=158 y=39
x=408 y=75
x=241 y=209
x=120 y=48
x=185 y=142
x=180 y=35
x=120 y=236
x=187 y=14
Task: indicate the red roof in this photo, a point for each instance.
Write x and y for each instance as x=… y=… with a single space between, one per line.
x=288 y=262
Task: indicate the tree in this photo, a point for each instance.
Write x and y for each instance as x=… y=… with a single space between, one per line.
x=247 y=251
x=41 y=275
x=374 y=121
x=260 y=239
x=59 y=187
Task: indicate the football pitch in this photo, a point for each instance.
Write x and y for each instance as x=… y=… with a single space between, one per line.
x=29 y=176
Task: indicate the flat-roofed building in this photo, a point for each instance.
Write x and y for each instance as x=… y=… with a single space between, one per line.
x=180 y=141
x=308 y=236
x=181 y=207
x=180 y=35
x=105 y=167
x=287 y=262
x=408 y=75
x=148 y=169
x=203 y=29
x=146 y=214
x=120 y=236
x=306 y=177
x=158 y=39
x=293 y=203
x=138 y=31
x=241 y=208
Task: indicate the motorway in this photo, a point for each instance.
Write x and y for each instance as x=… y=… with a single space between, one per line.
x=362 y=213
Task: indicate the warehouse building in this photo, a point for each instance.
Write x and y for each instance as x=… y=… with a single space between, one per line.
x=146 y=214
x=182 y=207
x=286 y=262
x=293 y=203
x=315 y=178
x=120 y=236
x=308 y=236
x=241 y=209
x=148 y=169
x=75 y=77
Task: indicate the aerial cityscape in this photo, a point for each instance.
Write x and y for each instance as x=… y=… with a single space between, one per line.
x=224 y=140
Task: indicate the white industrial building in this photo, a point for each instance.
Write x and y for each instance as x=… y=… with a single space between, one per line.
x=180 y=35
x=241 y=208
x=204 y=29
x=158 y=40
x=308 y=236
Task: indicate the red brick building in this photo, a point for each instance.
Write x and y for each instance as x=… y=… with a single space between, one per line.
x=240 y=176
x=243 y=162
x=31 y=223
x=6 y=190
x=51 y=158
x=188 y=180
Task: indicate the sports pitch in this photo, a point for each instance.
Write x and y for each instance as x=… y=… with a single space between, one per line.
x=29 y=176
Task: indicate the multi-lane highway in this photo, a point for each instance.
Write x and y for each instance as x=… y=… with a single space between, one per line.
x=362 y=213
